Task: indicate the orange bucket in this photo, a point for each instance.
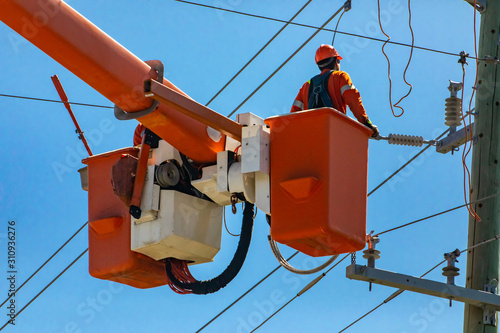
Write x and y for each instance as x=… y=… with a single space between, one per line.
x=319 y=167
x=110 y=257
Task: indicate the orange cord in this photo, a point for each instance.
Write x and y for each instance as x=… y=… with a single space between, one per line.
x=409 y=61
x=389 y=62
x=466 y=150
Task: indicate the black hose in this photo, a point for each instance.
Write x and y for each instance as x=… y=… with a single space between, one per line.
x=219 y=282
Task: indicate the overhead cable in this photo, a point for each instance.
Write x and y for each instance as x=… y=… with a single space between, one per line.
x=258 y=52
x=468 y=134
x=47 y=286
x=244 y=294
x=338 y=22
x=400 y=291
x=46 y=261
x=287 y=60
x=55 y=101
x=388 y=61
x=324 y=29
x=437 y=214
x=409 y=61
x=305 y=289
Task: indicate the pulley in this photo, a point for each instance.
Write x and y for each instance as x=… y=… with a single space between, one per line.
x=167 y=174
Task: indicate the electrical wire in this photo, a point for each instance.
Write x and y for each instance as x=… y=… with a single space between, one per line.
x=257 y=54
x=46 y=261
x=388 y=61
x=467 y=145
x=306 y=288
x=244 y=294
x=400 y=291
x=409 y=61
x=225 y=224
x=286 y=61
x=45 y=288
x=437 y=214
x=55 y=101
x=465 y=152
x=316 y=27
x=337 y=26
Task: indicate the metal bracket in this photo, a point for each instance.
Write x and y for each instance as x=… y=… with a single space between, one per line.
x=491 y=287
x=454 y=140
x=473 y=297
x=491 y=60
x=489 y=316
x=120 y=114
x=480 y=5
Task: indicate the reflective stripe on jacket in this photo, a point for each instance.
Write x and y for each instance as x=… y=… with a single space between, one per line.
x=342 y=92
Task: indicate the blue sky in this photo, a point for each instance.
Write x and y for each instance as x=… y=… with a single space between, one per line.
x=202 y=49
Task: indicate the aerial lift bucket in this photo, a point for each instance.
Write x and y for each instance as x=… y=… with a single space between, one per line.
x=318 y=181
x=110 y=256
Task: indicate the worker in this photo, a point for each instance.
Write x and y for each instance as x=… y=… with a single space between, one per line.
x=332 y=88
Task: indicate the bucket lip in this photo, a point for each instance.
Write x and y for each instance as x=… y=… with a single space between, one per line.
x=307 y=113
x=126 y=150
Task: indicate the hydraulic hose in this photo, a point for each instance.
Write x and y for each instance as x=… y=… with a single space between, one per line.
x=219 y=282
x=286 y=265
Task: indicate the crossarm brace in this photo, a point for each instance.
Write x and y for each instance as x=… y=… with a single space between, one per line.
x=423 y=286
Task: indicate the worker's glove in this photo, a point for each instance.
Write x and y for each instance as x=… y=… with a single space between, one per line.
x=374 y=128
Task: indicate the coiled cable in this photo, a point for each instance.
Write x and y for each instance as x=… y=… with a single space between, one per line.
x=287 y=266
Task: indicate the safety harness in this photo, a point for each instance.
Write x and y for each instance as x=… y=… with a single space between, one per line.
x=318 y=91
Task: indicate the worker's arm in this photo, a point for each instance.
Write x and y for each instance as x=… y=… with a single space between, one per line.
x=352 y=98
x=301 y=100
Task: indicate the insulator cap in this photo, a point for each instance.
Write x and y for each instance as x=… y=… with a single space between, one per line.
x=406 y=140
x=453 y=114
x=451 y=271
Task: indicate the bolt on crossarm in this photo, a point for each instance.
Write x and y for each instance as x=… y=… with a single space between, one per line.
x=483 y=262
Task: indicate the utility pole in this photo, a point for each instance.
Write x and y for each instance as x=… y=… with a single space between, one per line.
x=483 y=261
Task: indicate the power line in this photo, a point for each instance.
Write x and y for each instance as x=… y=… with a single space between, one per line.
x=437 y=214
x=55 y=101
x=244 y=294
x=397 y=293
x=51 y=282
x=287 y=60
x=306 y=288
x=400 y=291
x=50 y=258
x=324 y=29
x=259 y=52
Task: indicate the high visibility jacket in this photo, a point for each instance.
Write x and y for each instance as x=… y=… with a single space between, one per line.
x=342 y=93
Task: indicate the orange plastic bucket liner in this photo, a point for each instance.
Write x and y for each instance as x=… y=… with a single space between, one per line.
x=110 y=257
x=318 y=181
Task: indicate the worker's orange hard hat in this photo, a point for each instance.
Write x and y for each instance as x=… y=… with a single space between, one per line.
x=326 y=51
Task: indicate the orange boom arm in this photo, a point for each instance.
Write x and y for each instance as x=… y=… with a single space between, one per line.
x=104 y=64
